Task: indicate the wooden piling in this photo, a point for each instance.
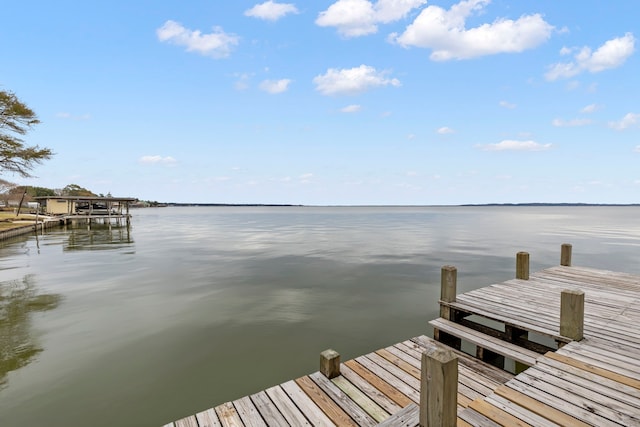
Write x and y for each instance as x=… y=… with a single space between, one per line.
x=572 y=314
x=522 y=265
x=330 y=363
x=448 y=284
x=438 y=388
x=565 y=255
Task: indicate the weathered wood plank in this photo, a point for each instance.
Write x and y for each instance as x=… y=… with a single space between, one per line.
x=228 y=415
x=519 y=411
x=369 y=390
x=539 y=408
x=208 y=418
x=287 y=408
x=307 y=406
x=268 y=410
x=407 y=417
x=496 y=414
x=411 y=392
x=361 y=399
x=324 y=402
x=356 y=412
x=400 y=398
x=187 y=422
x=248 y=412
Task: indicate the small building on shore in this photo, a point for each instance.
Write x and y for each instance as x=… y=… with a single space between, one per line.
x=85 y=205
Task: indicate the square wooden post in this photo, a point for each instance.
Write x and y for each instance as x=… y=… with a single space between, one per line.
x=330 y=363
x=565 y=255
x=522 y=265
x=448 y=285
x=572 y=314
x=439 y=388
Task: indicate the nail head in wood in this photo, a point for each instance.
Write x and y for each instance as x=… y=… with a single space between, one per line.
x=330 y=363
x=522 y=265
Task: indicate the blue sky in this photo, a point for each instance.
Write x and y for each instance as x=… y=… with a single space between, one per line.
x=344 y=102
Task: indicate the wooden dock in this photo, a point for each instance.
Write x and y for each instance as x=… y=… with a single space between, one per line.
x=570 y=333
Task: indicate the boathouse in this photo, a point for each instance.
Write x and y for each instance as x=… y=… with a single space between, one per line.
x=86 y=205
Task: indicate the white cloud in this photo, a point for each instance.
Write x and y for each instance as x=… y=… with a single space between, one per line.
x=629 y=120
x=157 y=159
x=508 y=105
x=591 y=108
x=217 y=44
x=353 y=108
x=69 y=116
x=445 y=33
x=445 y=130
x=613 y=53
x=570 y=123
x=354 y=18
x=275 y=86
x=513 y=145
x=271 y=11
x=352 y=81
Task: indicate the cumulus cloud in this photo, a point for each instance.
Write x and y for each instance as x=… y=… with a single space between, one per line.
x=352 y=81
x=570 y=123
x=508 y=105
x=271 y=11
x=613 y=53
x=157 y=159
x=353 y=108
x=354 y=18
x=275 y=86
x=445 y=130
x=513 y=145
x=217 y=44
x=629 y=120
x=444 y=32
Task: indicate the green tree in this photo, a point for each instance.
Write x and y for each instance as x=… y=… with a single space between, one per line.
x=40 y=191
x=76 y=190
x=16 y=119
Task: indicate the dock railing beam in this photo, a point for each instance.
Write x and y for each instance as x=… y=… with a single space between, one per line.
x=522 y=265
x=438 y=388
x=572 y=314
x=565 y=255
x=330 y=363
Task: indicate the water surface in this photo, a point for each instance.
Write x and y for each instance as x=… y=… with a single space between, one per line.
x=192 y=307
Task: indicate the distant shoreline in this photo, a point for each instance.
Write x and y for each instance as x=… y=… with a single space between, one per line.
x=462 y=205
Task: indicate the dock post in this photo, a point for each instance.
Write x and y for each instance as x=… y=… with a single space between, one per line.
x=438 y=388
x=572 y=314
x=565 y=255
x=330 y=363
x=448 y=284
x=522 y=265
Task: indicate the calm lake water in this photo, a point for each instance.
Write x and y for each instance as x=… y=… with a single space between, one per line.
x=192 y=307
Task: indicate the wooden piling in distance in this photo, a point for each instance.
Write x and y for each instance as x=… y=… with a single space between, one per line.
x=438 y=388
x=565 y=255
x=572 y=314
x=330 y=363
x=522 y=265
x=448 y=285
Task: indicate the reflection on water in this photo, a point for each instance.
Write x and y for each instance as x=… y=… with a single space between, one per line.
x=18 y=299
x=98 y=237
x=177 y=322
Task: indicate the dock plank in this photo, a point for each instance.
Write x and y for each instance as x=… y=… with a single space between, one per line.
x=307 y=406
x=208 y=418
x=287 y=408
x=228 y=415
x=324 y=402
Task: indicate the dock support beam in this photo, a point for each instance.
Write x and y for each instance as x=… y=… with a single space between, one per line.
x=565 y=255
x=448 y=285
x=330 y=363
x=438 y=388
x=572 y=314
x=522 y=265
